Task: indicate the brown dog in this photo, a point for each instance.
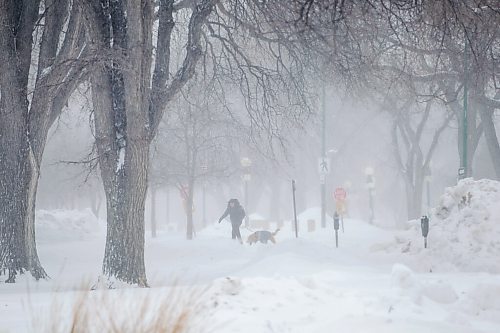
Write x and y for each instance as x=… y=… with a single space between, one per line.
x=262 y=236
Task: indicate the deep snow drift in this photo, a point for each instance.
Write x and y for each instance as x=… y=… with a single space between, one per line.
x=378 y=280
x=464 y=231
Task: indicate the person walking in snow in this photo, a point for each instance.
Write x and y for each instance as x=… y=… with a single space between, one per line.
x=236 y=215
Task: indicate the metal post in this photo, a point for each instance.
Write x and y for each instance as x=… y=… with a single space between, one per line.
x=246 y=204
x=323 y=154
x=464 y=166
x=204 y=195
x=372 y=212
x=295 y=210
x=428 y=185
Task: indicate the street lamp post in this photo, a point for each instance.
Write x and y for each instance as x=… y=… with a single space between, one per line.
x=370 y=184
x=246 y=163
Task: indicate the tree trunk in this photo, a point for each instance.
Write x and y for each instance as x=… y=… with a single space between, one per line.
x=153 y=212
x=189 y=211
x=18 y=172
x=414 y=194
x=491 y=137
x=55 y=80
x=95 y=202
x=124 y=170
x=18 y=184
x=125 y=121
x=34 y=265
x=125 y=197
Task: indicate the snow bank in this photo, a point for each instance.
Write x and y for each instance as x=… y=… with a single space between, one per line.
x=66 y=225
x=313 y=213
x=408 y=284
x=464 y=233
x=255 y=216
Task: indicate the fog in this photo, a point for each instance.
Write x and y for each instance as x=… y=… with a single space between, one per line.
x=358 y=135
x=249 y=166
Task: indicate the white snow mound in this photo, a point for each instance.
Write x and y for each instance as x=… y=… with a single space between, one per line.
x=464 y=232
x=65 y=225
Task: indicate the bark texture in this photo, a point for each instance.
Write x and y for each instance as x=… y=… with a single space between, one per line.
x=129 y=97
x=24 y=125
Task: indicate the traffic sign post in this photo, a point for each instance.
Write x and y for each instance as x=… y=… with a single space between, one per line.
x=336 y=227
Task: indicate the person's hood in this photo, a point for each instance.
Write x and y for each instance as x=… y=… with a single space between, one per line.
x=236 y=202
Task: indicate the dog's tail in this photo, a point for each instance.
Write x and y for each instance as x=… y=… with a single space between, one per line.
x=274 y=233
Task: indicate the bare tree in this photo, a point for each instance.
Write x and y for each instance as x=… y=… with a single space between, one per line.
x=132 y=90
x=199 y=142
x=408 y=139
x=454 y=44
x=28 y=108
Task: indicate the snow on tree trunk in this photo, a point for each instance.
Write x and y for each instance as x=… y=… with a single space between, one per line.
x=24 y=126
x=125 y=119
x=125 y=196
x=17 y=187
x=17 y=177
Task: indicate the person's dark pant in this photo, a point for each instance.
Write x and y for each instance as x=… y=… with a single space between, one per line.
x=236 y=230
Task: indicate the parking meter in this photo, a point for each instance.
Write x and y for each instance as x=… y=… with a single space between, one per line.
x=336 y=221
x=424 y=225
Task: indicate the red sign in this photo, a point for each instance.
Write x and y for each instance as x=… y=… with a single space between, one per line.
x=339 y=194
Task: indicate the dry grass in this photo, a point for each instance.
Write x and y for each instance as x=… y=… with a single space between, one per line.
x=124 y=311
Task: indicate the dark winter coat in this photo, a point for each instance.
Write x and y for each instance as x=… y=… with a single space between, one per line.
x=236 y=213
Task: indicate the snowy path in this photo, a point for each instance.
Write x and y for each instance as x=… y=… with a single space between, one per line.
x=297 y=285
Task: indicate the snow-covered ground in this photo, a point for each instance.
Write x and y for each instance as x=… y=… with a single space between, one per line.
x=377 y=280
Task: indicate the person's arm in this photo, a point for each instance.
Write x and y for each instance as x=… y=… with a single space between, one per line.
x=226 y=213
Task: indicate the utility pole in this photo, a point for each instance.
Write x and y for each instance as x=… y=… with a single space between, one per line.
x=463 y=172
x=323 y=155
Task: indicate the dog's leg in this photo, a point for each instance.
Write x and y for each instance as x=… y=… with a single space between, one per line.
x=272 y=239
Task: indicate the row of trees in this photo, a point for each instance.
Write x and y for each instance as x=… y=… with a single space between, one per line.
x=418 y=60
x=138 y=56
